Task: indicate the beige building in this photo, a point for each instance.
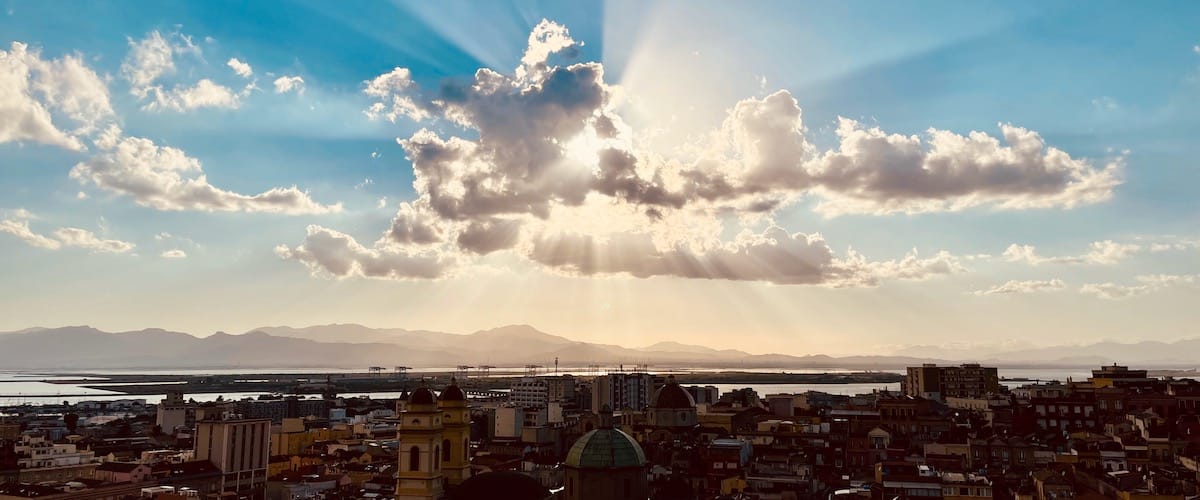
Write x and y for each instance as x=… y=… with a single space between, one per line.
x=41 y=460
x=239 y=448
x=173 y=413
x=420 y=435
x=969 y=380
x=456 y=435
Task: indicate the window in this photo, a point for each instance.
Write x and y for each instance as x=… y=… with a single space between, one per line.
x=436 y=464
x=414 y=458
x=446 y=450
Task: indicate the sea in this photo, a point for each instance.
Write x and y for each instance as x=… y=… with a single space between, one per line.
x=18 y=388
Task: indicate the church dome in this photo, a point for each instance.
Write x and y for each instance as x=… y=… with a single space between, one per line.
x=606 y=448
x=422 y=396
x=452 y=392
x=513 y=484
x=672 y=396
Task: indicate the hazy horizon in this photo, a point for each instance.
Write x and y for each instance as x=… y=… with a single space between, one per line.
x=1061 y=354
x=869 y=179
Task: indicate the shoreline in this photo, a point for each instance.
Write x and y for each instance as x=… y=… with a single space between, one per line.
x=349 y=383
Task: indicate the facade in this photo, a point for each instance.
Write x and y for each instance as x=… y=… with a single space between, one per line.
x=420 y=435
x=40 y=460
x=622 y=390
x=706 y=395
x=10 y=431
x=173 y=413
x=530 y=392
x=279 y=409
x=240 y=449
x=561 y=388
x=456 y=435
x=969 y=380
x=1116 y=376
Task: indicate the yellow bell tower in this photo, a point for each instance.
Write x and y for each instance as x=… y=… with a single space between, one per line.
x=456 y=434
x=420 y=435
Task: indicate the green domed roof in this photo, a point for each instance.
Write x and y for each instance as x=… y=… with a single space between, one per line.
x=606 y=448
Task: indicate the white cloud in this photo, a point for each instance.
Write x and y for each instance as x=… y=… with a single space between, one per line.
x=81 y=195
x=1028 y=286
x=365 y=182
x=285 y=84
x=18 y=226
x=545 y=167
x=546 y=39
x=33 y=90
x=153 y=57
x=174 y=254
x=148 y=59
x=328 y=252
x=1174 y=244
x=875 y=172
x=165 y=178
x=1105 y=252
x=241 y=68
x=382 y=203
x=390 y=90
x=1145 y=285
x=204 y=94
x=82 y=238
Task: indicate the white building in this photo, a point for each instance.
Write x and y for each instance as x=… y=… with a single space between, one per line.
x=530 y=392
x=37 y=453
x=173 y=413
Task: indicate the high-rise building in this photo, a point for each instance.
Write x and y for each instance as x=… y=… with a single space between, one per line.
x=541 y=391
x=622 y=390
x=529 y=392
x=939 y=382
x=240 y=448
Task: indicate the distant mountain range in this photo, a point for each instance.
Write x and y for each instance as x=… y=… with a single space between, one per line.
x=351 y=346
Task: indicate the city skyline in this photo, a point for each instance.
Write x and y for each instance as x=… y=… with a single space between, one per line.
x=970 y=176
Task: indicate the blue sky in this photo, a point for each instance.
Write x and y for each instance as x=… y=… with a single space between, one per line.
x=1109 y=90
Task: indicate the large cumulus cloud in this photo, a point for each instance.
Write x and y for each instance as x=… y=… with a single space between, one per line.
x=545 y=167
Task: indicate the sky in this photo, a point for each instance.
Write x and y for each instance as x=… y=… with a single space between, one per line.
x=770 y=176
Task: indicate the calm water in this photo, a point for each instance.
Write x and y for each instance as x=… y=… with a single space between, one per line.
x=19 y=388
